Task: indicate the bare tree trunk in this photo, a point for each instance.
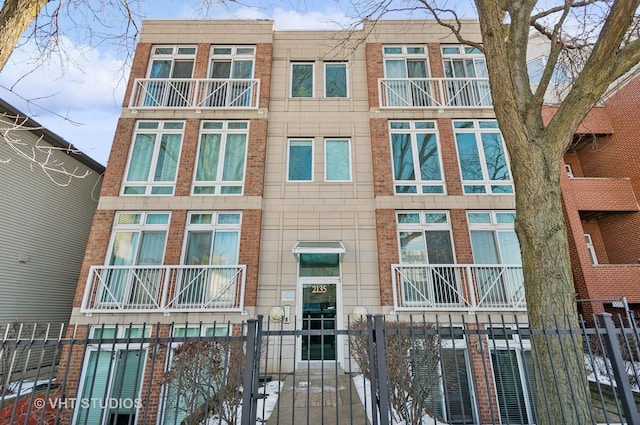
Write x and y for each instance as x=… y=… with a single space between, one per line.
x=549 y=285
x=15 y=18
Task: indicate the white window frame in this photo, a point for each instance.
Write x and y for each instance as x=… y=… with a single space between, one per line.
x=313 y=78
x=174 y=56
x=231 y=57
x=486 y=182
x=300 y=139
x=405 y=56
x=423 y=226
x=518 y=345
x=418 y=183
x=212 y=227
x=495 y=227
x=218 y=184
x=140 y=227
x=149 y=184
x=326 y=160
x=346 y=78
x=591 y=249
x=113 y=349
x=177 y=341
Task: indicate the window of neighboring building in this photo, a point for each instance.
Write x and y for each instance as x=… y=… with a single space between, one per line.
x=591 y=248
x=175 y=62
x=406 y=69
x=466 y=69
x=417 y=166
x=335 y=79
x=482 y=157
x=221 y=159
x=302 y=79
x=337 y=160
x=154 y=158
x=300 y=160
x=230 y=65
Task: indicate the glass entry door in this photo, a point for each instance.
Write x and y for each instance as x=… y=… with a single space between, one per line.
x=319 y=313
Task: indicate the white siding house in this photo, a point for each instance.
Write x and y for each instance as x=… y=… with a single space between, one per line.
x=45 y=217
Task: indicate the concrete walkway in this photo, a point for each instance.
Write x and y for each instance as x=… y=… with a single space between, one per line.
x=317 y=399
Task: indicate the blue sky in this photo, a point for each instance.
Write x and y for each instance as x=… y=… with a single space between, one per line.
x=79 y=95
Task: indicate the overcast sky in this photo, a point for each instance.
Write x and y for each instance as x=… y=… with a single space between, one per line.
x=80 y=100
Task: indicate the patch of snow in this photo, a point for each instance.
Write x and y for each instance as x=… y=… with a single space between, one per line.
x=265 y=406
x=363 y=387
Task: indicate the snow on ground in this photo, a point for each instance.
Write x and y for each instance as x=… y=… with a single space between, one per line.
x=363 y=387
x=265 y=406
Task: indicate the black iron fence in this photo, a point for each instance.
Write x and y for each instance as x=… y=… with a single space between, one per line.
x=373 y=371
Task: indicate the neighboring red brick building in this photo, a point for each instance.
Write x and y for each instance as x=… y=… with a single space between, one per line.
x=599 y=194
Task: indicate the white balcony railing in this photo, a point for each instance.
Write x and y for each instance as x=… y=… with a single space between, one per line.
x=420 y=93
x=164 y=289
x=459 y=287
x=194 y=93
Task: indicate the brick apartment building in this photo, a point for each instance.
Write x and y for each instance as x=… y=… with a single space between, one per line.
x=309 y=177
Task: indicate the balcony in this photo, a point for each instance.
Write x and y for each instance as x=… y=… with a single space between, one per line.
x=164 y=289
x=194 y=93
x=459 y=287
x=436 y=93
x=603 y=194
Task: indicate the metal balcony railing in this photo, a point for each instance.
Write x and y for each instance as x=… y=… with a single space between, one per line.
x=420 y=93
x=194 y=93
x=164 y=289
x=459 y=287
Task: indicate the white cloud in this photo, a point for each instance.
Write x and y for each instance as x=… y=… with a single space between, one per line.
x=84 y=84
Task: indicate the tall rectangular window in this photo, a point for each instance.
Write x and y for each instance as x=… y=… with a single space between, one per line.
x=154 y=158
x=211 y=249
x=114 y=373
x=302 y=79
x=406 y=70
x=231 y=70
x=174 y=63
x=467 y=80
x=183 y=393
x=300 y=160
x=496 y=251
x=221 y=160
x=482 y=157
x=513 y=376
x=417 y=166
x=137 y=244
x=335 y=79
x=427 y=257
x=337 y=160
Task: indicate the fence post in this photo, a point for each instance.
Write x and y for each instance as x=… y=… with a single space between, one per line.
x=249 y=401
x=383 y=378
x=619 y=370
